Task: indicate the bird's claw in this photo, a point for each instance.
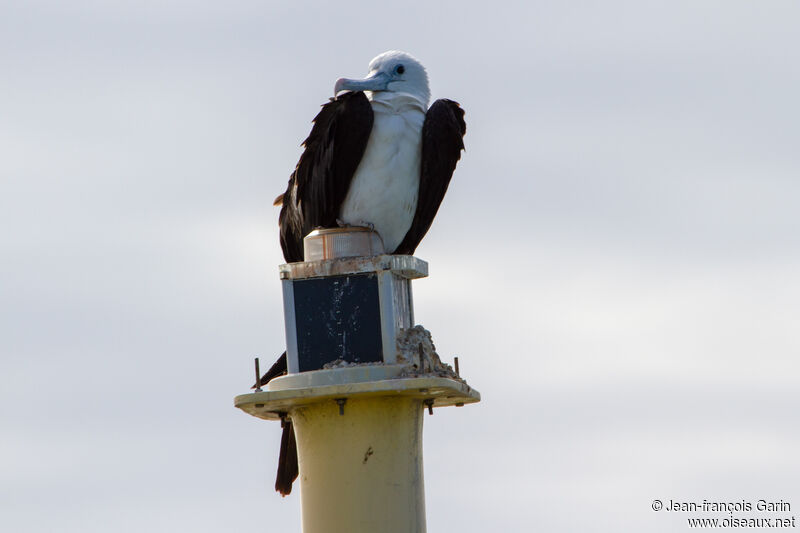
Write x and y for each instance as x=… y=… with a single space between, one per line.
x=359 y=224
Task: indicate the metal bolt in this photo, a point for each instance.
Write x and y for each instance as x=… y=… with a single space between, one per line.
x=429 y=403
x=258 y=377
x=456 y=363
x=341 y=402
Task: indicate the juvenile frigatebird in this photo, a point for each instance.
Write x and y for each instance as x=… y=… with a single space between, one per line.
x=377 y=156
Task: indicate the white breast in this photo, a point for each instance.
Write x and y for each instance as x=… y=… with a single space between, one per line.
x=384 y=188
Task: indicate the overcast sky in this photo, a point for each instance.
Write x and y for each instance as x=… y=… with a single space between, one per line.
x=615 y=264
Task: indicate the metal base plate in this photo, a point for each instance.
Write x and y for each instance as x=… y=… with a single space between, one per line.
x=270 y=404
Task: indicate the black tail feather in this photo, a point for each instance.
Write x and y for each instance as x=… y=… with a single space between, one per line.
x=287 y=462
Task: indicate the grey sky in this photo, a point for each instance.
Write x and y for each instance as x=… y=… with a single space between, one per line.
x=616 y=261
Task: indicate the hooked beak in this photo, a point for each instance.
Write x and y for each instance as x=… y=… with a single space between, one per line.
x=375 y=82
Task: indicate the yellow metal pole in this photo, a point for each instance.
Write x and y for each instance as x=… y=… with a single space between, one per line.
x=361 y=471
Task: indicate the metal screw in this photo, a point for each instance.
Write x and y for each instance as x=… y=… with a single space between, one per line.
x=456 y=363
x=258 y=377
x=341 y=402
x=429 y=403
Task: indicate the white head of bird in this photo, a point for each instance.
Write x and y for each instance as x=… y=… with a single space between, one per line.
x=391 y=72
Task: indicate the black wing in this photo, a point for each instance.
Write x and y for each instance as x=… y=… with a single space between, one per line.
x=442 y=142
x=320 y=181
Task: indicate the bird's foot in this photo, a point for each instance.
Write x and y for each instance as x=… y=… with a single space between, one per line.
x=359 y=224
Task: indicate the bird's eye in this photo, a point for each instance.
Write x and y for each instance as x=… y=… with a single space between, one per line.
x=400 y=69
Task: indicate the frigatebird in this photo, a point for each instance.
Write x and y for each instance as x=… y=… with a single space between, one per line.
x=377 y=156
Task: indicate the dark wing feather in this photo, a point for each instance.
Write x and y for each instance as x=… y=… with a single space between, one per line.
x=316 y=190
x=320 y=181
x=442 y=142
